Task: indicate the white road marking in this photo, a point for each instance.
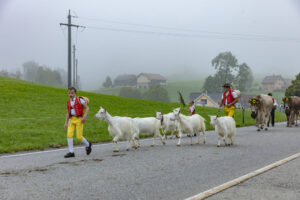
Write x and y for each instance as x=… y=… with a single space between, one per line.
x=63 y=149
x=241 y=179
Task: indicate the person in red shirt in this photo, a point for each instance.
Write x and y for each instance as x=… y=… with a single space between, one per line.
x=76 y=116
x=228 y=99
x=192 y=109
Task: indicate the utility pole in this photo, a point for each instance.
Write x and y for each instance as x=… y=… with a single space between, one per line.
x=69 y=25
x=74 y=65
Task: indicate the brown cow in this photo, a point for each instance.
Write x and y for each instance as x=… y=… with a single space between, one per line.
x=261 y=109
x=291 y=107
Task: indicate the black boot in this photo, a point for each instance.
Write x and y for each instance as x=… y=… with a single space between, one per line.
x=70 y=155
x=88 y=149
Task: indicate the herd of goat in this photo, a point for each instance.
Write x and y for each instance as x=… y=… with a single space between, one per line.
x=127 y=128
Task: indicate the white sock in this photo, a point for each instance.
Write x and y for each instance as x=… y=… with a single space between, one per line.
x=85 y=142
x=70 y=145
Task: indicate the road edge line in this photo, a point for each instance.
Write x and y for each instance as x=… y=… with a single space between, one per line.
x=241 y=179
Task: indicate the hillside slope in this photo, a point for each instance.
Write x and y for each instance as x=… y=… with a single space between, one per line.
x=186 y=87
x=33 y=115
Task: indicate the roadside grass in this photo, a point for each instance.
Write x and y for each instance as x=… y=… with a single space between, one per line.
x=33 y=115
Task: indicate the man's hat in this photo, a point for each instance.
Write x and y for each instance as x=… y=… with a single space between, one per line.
x=226 y=85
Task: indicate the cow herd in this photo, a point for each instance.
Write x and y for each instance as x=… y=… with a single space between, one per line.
x=262 y=105
x=127 y=128
x=291 y=107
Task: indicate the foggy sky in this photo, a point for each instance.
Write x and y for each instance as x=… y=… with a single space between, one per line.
x=29 y=30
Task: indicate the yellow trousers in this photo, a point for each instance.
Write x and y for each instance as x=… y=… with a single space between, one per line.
x=229 y=111
x=75 y=123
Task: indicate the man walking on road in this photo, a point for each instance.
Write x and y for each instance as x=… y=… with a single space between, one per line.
x=273 y=111
x=76 y=106
x=228 y=99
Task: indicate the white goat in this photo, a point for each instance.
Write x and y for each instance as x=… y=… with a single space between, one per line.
x=225 y=128
x=149 y=126
x=120 y=128
x=191 y=125
x=167 y=124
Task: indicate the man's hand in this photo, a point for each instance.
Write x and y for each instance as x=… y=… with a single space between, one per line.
x=66 y=125
x=83 y=120
x=219 y=110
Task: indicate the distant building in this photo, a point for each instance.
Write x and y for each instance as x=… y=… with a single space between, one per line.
x=274 y=82
x=205 y=99
x=244 y=101
x=288 y=82
x=144 y=80
x=125 y=80
x=213 y=99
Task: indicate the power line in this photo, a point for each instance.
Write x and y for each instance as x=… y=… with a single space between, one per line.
x=259 y=36
x=174 y=34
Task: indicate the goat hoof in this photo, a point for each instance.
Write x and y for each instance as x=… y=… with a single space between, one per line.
x=152 y=145
x=204 y=142
x=178 y=145
x=258 y=129
x=218 y=145
x=266 y=129
x=115 y=150
x=198 y=143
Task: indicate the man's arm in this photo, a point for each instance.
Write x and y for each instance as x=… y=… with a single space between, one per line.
x=67 y=120
x=220 y=105
x=235 y=100
x=86 y=108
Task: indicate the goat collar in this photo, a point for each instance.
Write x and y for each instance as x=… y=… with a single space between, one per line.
x=162 y=119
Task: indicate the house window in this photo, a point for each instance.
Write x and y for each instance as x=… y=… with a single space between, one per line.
x=203 y=101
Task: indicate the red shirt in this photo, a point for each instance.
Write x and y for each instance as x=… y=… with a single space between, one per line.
x=77 y=107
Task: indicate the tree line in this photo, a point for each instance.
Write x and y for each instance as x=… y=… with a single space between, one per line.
x=294 y=88
x=228 y=70
x=34 y=72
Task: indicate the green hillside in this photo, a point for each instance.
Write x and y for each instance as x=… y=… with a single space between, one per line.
x=33 y=115
x=186 y=87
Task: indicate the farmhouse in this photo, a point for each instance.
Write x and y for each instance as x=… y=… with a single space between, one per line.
x=125 y=80
x=144 y=80
x=204 y=99
x=213 y=99
x=274 y=82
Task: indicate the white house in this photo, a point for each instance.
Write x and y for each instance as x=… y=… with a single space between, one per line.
x=144 y=80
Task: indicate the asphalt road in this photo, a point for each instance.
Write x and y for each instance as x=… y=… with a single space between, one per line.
x=160 y=172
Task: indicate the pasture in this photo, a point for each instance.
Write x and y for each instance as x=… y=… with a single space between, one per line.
x=33 y=115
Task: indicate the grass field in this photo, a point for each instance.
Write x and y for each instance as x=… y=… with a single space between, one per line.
x=33 y=115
